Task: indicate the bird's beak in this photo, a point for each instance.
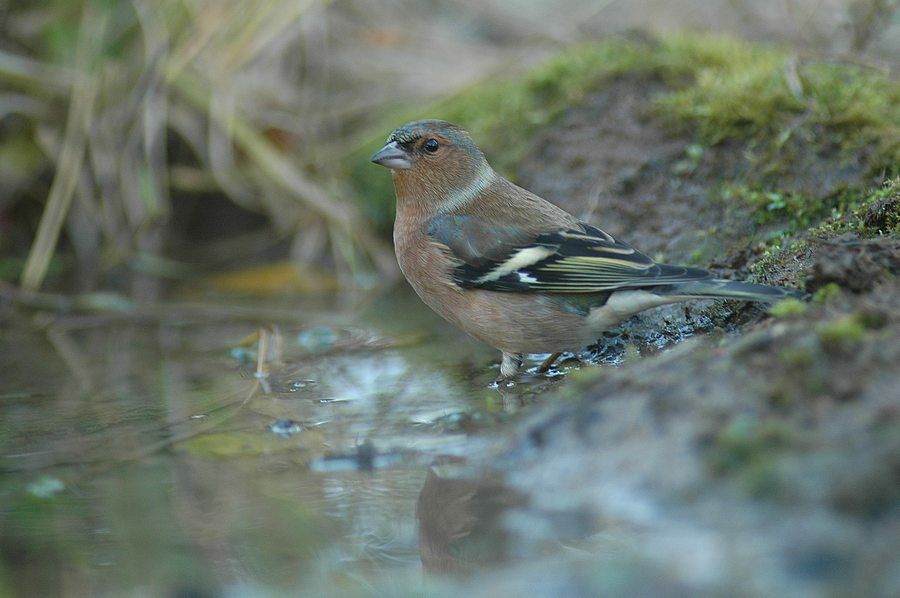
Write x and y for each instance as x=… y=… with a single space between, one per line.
x=392 y=156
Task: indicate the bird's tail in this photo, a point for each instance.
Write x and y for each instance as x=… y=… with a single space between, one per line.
x=730 y=289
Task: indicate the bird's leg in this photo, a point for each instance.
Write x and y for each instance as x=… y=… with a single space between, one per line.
x=547 y=363
x=510 y=364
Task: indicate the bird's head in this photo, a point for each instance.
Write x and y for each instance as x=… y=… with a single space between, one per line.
x=434 y=161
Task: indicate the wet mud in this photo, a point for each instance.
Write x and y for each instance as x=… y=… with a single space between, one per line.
x=760 y=453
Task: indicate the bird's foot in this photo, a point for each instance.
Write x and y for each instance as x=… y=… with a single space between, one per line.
x=548 y=363
x=509 y=365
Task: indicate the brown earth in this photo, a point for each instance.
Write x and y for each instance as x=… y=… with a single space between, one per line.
x=758 y=460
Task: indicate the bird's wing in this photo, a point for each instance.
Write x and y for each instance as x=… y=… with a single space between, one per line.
x=578 y=260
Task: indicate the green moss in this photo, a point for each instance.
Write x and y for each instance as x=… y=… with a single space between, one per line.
x=869 y=212
x=788 y=308
x=798 y=357
x=762 y=95
x=720 y=89
x=746 y=439
x=737 y=90
x=827 y=293
x=769 y=206
x=504 y=115
x=865 y=211
x=779 y=250
x=749 y=449
x=843 y=332
x=753 y=90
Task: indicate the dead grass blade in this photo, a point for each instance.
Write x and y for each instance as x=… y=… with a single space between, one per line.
x=71 y=155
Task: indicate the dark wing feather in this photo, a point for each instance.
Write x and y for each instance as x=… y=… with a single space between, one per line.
x=475 y=243
x=579 y=260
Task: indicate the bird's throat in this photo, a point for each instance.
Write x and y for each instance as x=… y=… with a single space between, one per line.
x=431 y=197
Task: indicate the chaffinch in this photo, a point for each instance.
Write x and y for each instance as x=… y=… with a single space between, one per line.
x=510 y=268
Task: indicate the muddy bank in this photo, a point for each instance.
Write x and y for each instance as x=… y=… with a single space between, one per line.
x=772 y=457
x=760 y=456
x=615 y=162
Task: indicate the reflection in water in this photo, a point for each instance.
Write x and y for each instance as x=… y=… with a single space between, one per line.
x=147 y=456
x=460 y=523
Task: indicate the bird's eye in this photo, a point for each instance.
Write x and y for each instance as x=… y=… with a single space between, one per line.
x=431 y=146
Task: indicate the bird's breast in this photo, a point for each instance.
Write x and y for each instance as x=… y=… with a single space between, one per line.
x=426 y=266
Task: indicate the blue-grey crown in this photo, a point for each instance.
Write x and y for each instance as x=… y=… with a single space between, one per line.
x=417 y=129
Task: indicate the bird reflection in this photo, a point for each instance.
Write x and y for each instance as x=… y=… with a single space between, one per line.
x=460 y=523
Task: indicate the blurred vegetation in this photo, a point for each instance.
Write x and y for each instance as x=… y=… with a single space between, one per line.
x=132 y=107
x=118 y=118
x=718 y=90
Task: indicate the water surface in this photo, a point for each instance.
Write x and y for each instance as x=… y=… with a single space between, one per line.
x=155 y=456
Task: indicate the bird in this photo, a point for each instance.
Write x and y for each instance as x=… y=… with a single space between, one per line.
x=512 y=269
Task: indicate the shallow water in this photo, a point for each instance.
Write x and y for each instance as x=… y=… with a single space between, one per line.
x=155 y=456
